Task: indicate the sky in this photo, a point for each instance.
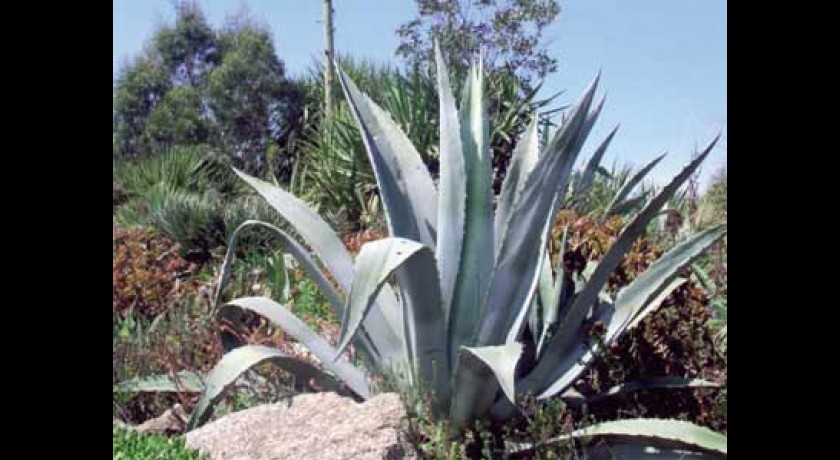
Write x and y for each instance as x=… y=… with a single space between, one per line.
x=662 y=62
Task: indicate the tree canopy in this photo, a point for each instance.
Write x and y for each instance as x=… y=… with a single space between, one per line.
x=194 y=84
x=509 y=34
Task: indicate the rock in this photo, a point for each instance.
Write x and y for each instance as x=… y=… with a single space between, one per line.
x=316 y=425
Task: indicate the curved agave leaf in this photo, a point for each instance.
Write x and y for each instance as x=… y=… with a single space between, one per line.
x=560 y=291
x=238 y=361
x=591 y=118
x=641 y=438
x=653 y=281
x=406 y=188
x=577 y=144
x=515 y=275
x=654 y=383
x=628 y=187
x=690 y=436
x=314 y=230
x=626 y=206
x=355 y=379
x=477 y=255
x=543 y=300
x=300 y=253
x=509 y=297
x=572 y=363
x=640 y=298
x=295 y=249
x=519 y=253
x=376 y=262
x=186 y=381
x=405 y=185
x=476 y=366
x=384 y=322
x=588 y=176
x=425 y=328
x=656 y=302
x=532 y=295
x=612 y=449
x=522 y=162
x=453 y=188
x=567 y=340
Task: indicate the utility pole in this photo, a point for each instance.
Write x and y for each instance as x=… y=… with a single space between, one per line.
x=329 y=70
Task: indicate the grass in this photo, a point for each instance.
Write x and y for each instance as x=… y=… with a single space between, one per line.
x=309 y=303
x=130 y=445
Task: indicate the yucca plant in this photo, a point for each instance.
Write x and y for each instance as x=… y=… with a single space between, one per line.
x=339 y=180
x=456 y=321
x=510 y=109
x=598 y=192
x=333 y=163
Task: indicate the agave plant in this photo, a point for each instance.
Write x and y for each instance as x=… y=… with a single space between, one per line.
x=468 y=280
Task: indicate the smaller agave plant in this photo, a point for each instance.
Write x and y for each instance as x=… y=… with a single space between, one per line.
x=473 y=288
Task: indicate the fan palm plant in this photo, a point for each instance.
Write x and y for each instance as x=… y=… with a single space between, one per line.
x=188 y=194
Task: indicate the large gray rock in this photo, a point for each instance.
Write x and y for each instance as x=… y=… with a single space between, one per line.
x=309 y=426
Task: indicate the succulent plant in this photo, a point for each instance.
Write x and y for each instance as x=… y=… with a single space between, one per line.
x=472 y=289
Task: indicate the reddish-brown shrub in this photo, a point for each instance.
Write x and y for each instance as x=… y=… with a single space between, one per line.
x=147 y=273
x=675 y=340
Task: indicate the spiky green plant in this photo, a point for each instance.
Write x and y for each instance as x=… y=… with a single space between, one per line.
x=466 y=279
x=593 y=196
x=598 y=192
x=188 y=194
x=180 y=167
x=339 y=181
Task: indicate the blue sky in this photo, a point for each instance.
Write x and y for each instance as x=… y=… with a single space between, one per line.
x=663 y=62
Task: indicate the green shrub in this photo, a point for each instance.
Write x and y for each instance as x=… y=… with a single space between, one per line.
x=130 y=445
